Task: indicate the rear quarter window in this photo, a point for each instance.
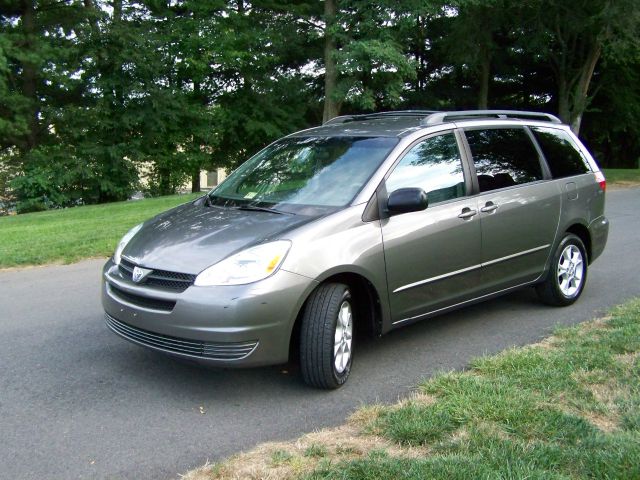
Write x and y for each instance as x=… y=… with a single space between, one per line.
x=562 y=154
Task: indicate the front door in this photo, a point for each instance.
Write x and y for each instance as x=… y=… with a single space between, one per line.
x=432 y=256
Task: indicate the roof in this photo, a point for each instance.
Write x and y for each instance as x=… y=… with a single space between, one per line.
x=390 y=126
x=400 y=123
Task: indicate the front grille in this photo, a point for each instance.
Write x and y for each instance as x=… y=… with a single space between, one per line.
x=174 y=281
x=144 y=302
x=214 y=351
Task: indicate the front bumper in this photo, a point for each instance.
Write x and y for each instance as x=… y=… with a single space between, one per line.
x=230 y=326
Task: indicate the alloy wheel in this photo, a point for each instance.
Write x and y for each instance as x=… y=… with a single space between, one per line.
x=570 y=270
x=343 y=337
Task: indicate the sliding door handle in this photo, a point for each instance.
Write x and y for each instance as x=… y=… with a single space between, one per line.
x=489 y=207
x=467 y=213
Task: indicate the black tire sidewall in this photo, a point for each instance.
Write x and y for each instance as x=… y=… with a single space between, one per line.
x=317 y=336
x=340 y=378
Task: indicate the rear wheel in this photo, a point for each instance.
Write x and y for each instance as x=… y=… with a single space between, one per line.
x=567 y=275
x=326 y=336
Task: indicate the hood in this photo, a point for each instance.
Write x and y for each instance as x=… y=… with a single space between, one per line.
x=192 y=237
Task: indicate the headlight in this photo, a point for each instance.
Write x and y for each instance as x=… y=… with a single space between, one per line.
x=123 y=243
x=248 y=266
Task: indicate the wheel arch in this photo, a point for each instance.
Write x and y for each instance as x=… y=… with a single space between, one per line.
x=367 y=305
x=582 y=232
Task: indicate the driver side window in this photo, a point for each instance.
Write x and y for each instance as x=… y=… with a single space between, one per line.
x=433 y=165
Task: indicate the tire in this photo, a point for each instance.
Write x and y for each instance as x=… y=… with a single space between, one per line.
x=567 y=274
x=326 y=337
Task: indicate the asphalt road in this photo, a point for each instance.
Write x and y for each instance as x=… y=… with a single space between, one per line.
x=78 y=402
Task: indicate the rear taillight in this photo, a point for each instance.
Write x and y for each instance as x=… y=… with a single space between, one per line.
x=601 y=181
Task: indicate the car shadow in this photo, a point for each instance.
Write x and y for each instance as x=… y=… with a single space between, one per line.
x=402 y=357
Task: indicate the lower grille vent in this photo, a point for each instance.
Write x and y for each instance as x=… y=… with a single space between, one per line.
x=214 y=351
x=144 y=302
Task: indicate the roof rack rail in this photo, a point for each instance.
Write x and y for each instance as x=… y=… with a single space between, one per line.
x=370 y=116
x=441 y=117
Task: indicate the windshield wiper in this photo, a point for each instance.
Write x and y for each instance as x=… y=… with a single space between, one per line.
x=256 y=208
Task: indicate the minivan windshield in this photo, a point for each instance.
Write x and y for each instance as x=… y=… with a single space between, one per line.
x=304 y=172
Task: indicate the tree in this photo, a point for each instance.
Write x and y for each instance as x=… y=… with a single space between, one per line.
x=42 y=58
x=331 y=103
x=472 y=40
x=611 y=125
x=365 y=64
x=259 y=90
x=573 y=37
x=94 y=91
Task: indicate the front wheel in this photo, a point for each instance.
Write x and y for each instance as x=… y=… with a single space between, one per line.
x=567 y=275
x=326 y=336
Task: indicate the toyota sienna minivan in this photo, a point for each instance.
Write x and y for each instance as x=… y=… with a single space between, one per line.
x=364 y=224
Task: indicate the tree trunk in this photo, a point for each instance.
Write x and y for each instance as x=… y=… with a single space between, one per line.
x=485 y=72
x=564 y=109
x=331 y=107
x=195 y=181
x=197 y=142
x=581 y=95
x=573 y=80
x=419 y=54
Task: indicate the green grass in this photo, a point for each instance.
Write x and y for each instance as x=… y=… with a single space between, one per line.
x=622 y=176
x=566 y=409
x=281 y=457
x=75 y=233
x=316 y=450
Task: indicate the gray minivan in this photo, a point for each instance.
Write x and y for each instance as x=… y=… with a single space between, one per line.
x=366 y=223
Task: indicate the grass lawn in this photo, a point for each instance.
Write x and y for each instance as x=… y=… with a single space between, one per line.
x=75 y=233
x=566 y=408
x=622 y=176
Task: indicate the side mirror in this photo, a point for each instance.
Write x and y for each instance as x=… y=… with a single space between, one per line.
x=406 y=200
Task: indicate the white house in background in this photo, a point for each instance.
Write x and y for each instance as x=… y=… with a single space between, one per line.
x=210 y=178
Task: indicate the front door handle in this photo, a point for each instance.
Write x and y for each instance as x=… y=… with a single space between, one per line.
x=467 y=213
x=489 y=207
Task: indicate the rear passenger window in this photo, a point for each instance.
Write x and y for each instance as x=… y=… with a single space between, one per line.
x=433 y=165
x=503 y=157
x=562 y=154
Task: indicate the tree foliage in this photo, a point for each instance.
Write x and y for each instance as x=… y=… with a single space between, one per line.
x=94 y=93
